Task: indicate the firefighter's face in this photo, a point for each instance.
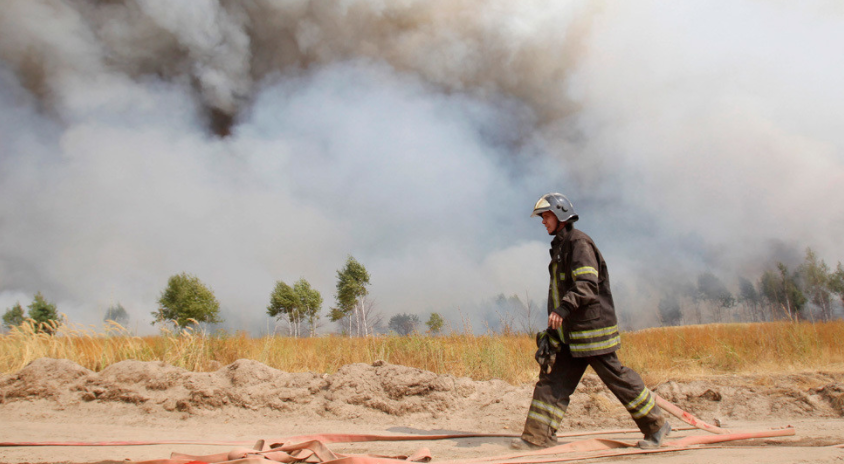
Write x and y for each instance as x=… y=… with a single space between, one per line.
x=550 y=222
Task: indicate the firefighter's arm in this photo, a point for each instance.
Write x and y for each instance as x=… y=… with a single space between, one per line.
x=585 y=274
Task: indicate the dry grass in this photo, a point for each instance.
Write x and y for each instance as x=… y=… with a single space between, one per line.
x=745 y=348
x=658 y=354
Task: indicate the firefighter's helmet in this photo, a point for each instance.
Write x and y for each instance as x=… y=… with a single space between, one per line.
x=558 y=204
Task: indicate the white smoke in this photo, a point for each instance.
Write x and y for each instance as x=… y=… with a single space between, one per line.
x=414 y=135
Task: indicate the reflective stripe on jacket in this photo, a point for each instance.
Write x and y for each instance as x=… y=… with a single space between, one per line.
x=580 y=291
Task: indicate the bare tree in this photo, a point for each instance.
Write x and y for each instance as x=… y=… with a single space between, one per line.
x=713 y=292
x=367 y=314
x=751 y=300
x=527 y=312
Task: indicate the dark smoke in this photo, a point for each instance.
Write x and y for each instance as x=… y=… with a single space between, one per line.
x=248 y=142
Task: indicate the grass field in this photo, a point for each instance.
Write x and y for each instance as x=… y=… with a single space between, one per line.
x=658 y=354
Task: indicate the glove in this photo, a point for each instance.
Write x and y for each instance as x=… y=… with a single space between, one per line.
x=548 y=345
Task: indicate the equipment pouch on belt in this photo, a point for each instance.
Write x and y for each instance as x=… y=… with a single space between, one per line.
x=548 y=345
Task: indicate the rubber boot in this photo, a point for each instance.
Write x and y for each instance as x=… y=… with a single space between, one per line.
x=522 y=444
x=654 y=440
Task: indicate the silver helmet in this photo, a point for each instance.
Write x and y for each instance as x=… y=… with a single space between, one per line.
x=558 y=204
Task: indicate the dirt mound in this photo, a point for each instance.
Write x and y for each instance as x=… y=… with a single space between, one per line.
x=389 y=394
x=395 y=390
x=760 y=396
x=42 y=378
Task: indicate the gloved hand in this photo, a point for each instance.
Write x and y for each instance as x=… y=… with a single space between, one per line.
x=548 y=345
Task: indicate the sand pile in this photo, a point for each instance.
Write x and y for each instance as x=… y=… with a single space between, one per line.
x=392 y=394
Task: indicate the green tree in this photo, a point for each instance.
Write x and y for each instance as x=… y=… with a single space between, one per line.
x=352 y=281
x=13 y=316
x=297 y=303
x=781 y=291
x=187 y=299
x=404 y=324
x=310 y=301
x=435 y=323
x=44 y=314
x=118 y=314
x=816 y=282
x=283 y=303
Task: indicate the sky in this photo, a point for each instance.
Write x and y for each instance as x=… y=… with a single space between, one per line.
x=257 y=141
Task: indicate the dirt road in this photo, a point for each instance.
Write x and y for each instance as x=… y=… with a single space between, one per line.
x=56 y=400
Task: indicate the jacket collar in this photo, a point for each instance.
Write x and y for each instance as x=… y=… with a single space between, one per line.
x=560 y=237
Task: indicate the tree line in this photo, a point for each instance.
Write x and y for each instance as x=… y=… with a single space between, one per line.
x=187 y=301
x=807 y=292
x=43 y=314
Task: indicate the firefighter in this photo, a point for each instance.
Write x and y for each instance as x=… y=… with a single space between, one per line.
x=582 y=331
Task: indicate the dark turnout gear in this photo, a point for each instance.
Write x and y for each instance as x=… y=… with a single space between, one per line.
x=547 y=346
x=553 y=390
x=558 y=204
x=579 y=292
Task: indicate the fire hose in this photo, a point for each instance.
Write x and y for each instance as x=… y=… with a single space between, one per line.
x=313 y=449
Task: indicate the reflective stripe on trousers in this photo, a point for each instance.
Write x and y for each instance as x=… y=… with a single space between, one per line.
x=553 y=391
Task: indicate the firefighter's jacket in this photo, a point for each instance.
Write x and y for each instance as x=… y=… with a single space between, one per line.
x=580 y=293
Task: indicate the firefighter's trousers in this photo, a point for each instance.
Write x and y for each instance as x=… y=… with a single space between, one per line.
x=553 y=390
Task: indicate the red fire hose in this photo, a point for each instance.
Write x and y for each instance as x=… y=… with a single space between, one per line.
x=313 y=449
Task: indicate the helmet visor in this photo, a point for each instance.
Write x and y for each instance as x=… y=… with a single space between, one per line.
x=541 y=206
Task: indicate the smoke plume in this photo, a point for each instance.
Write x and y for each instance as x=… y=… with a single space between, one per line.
x=255 y=141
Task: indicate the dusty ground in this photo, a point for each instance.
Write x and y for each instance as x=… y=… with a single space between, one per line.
x=57 y=400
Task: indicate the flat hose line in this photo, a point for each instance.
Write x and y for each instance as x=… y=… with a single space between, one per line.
x=313 y=449
x=324 y=438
